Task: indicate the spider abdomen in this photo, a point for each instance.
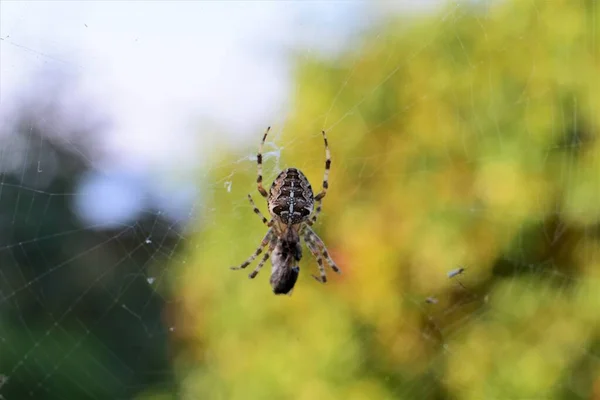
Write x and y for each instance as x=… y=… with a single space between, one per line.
x=291 y=197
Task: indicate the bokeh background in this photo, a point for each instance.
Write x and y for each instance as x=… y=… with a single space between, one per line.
x=463 y=135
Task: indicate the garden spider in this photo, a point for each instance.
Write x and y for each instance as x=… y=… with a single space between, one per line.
x=290 y=201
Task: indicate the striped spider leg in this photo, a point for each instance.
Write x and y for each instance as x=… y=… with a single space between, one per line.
x=267 y=239
x=319 y=251
x=260 y=214
x=319 y=197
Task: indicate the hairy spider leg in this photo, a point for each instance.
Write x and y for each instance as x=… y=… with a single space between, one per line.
x=313 y=249
x=319 y=197
x=268 y=238
x=257 y=212
x=262 y=262
x=259 y=179
x=311 y=237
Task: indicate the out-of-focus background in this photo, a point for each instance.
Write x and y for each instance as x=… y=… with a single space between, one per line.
x=464 y=138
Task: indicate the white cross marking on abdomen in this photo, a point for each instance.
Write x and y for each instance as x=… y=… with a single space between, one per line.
x=291 y=203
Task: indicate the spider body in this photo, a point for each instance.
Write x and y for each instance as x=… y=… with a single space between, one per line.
x=291 y=198
x=291 y=203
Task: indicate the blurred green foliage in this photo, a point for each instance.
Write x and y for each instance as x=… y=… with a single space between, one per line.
x=464 y=138
x=78 y=319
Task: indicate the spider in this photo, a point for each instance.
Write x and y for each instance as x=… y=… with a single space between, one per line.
x=290 y=201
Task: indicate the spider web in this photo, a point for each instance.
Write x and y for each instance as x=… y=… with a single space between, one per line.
x=462 y=206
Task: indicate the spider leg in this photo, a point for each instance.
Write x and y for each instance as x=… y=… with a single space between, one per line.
x=262 y=262
x=315 y=215
x=311 y=237
x=259 y=184
x=323 y=192
x=268 y=237
x=257 y=212
x=317 y=255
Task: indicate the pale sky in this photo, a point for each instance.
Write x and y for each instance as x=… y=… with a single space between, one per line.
x=163 y=69
x=157 y=65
